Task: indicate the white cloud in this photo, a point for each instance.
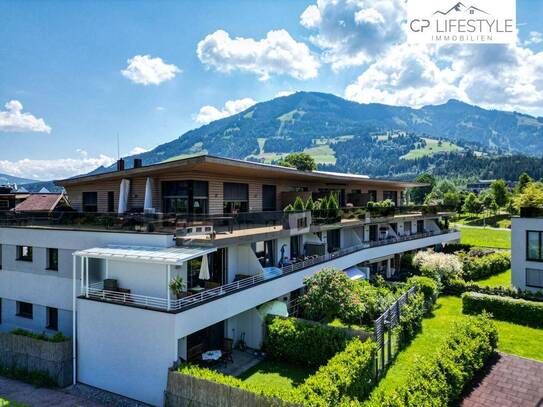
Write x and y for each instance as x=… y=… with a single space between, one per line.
x=277 y=54
x=209 y=113
x=54 y=168
x=145 y=70
x=14 y=120
x=534 y=38
x=354 y=32
x=493 y=76
x=284 y=93
x=138 y=150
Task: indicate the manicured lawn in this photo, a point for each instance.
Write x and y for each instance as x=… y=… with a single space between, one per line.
x=432 y=147
x=486 y=237
x=502 y=279
x=515 y=339
x=275 y=374
x=502 y=220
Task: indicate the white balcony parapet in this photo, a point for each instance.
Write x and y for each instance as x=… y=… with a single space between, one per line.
x=96 y=291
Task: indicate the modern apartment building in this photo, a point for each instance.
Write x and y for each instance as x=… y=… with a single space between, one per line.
x=216 y=223
x=527 y=249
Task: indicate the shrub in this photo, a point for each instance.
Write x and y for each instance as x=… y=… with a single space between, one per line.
x=309 y=205
x=438 y=380
x=348 y=375
x=506 y=309
x=426 y=285
x=58 y=337
x=439 y=266
x=375 y=299
x=477 y=268
x=459 y=286
x=298 y=204
x=37 y=378
x=304 y=342
x=290 y=395
x=288 y=208
x=329 y=295
x=411 y=318
x=451 y=248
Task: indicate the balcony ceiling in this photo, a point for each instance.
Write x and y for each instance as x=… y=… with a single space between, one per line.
x=147 y=254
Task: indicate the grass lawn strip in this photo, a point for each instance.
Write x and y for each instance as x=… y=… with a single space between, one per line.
x=277 y=375
x=485 y=237
x=498 y=280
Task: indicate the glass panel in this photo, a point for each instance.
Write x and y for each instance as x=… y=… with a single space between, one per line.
x=200 y=189
x=269 y=201
x=534 y=246
x=235 y=192
x=534 y=278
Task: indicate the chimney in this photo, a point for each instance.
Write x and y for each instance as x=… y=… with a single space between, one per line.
x=137 y=163
x=120 y=164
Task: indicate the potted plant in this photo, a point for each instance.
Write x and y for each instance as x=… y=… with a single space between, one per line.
x=177 y=285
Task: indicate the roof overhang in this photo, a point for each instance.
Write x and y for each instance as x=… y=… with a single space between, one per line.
x=228 y=166
x=174 y=256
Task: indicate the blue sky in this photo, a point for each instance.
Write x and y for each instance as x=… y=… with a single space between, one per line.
x=62 y=62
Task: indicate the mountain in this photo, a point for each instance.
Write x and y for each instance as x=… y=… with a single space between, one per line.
x=10 y=179
x=375 y=139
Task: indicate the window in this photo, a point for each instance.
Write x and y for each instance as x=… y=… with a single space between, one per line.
x=236 y=197
x=534 y=246
x=392 y=195
x=333 y=240
x=534 y=278
x=269 y=200
x=4 y=204
x=372 y=196
x=52 y=259
x=185 y=197
x=111 y=201
x=52 y=318
x=295 y=246
x=90 y=201
x=265 y=252
x=24 y=253
x=24 y=309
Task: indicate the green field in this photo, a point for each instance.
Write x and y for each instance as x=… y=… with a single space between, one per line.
x=502 y=280
x=485 y=237
x=322 y=154
x=432 y=147
x=276 y=375
x=483 y=219
x=515 y=339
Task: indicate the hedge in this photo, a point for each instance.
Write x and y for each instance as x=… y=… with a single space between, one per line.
x=58 y=337
x=288 y=395
x=452 y=248
x=348 y=376
x=302 y=342
x=426 y=285
x=477 y=268
x=438 y=380
x=458 y=286
x=505 y=309
x=411 y=317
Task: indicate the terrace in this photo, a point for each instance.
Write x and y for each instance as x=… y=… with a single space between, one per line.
x=98 y=291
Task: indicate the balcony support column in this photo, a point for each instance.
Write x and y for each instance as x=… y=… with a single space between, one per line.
x=169 y=270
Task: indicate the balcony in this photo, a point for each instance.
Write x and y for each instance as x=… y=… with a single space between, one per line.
x=96 y=291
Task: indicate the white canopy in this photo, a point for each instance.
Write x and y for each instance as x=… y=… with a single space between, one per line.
x=274 y=307
x=204 y=269
x=148 y=201
x=147 y=254
x=123 y=196
x=355 y=273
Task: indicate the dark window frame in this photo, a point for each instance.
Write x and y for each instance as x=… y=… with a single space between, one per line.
x=239 y=204
x=89 y=206
x=539 y=258
x=25 y=257
x=22 y=313
x=111 y=201
x=52 y=264
x=267 y=191
x=52 y=323
x=194 y=194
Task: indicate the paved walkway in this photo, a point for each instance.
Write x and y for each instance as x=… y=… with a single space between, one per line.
x=510 y=381
x=27 y=394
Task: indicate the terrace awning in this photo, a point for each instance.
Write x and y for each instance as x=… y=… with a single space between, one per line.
x=147 y=254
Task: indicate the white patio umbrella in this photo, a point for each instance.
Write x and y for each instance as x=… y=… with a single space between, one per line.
x=204 y=269
x=123 y=196
x=148 y=201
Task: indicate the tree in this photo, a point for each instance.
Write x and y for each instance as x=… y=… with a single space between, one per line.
x=532 y=197
x=523 y=180
x=494 y=207
x=300 y=161
x=451 y=199
x=472 y=204
x=418 y=194
x=501 y=192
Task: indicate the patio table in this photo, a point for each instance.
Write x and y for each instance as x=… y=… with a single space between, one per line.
x=211 y=355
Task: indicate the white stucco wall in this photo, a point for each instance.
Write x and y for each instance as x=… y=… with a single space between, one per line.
x=519 y=264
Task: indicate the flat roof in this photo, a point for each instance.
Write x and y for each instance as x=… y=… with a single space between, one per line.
x=147 y=254
x=230 y=166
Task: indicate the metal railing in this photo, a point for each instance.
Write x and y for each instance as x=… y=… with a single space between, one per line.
x=96 y=290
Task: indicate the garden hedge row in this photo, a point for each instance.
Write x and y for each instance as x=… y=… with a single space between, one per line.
x=302 y=342
x=411 y=317
x=426 y=285
x=477 y=268
x=438 y=380
x=349 y=375
x=458 y=286
x=506 y=309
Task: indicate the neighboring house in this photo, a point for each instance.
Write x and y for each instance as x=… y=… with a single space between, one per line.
x=527 y=250
x=9 y=197
x=218 y=224
x=43 y=203
x=482 y=185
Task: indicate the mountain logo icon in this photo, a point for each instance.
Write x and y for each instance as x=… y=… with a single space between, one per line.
x=461 y=8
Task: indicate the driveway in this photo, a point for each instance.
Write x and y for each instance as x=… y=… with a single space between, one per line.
x=25 y=393
x=510 y=381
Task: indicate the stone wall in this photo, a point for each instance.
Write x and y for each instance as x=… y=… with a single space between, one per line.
x=29 y=354
x=188 y=391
